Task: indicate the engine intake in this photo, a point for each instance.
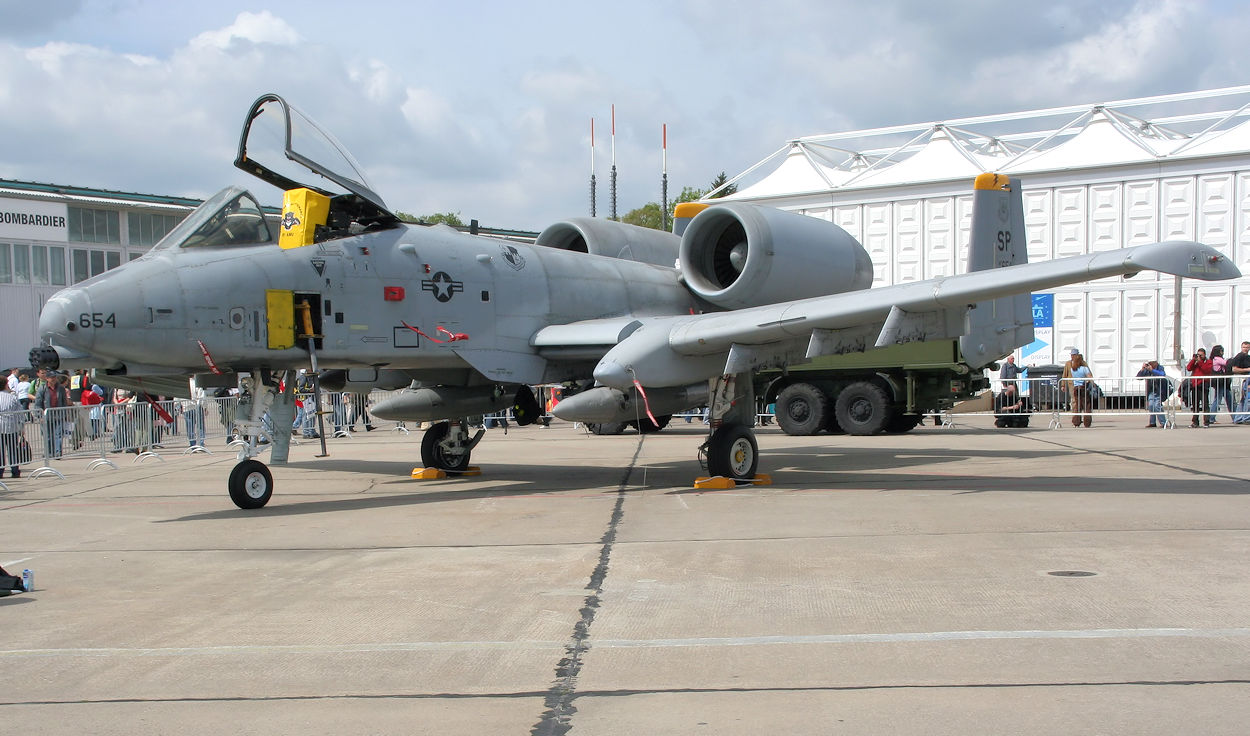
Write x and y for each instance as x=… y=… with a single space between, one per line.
x=738 y=255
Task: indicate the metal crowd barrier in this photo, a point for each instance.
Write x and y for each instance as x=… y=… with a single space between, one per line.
x=1160 y=400
x=98 y=431
x=145 y=429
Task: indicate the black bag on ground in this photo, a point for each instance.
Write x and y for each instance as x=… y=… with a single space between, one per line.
x=1186 y=392
x=10 y=582
x=23 y=454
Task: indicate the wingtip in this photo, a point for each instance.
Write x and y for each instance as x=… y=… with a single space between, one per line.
x=1185 y=258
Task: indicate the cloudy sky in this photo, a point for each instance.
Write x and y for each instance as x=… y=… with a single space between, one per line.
x=484 y=108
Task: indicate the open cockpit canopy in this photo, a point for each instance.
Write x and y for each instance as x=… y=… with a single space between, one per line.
x=282 y=146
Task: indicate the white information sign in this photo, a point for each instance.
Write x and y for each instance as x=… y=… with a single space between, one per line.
x=27 y=219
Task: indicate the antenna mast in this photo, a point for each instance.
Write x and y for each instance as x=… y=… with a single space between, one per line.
x=613 y=216
x=664 y=177
x=592 y=167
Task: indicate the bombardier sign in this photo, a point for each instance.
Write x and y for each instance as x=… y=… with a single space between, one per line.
x=30 y=220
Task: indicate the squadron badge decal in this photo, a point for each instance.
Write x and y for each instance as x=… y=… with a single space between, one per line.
x=512 y=257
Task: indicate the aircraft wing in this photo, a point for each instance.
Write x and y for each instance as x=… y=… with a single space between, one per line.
x=678 y=351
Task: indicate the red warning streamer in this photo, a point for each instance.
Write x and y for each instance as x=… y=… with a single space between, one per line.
x=645 y=404
x=212 y=366
x=451 y=336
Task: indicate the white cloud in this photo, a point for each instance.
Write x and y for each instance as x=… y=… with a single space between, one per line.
x=254 y=28
x=1109 y=62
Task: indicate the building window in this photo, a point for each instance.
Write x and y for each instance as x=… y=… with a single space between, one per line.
x=56 y=264
x=39 y=264
x=42 y=265
x=21 y=263
x=78 y=263
x=94 y=226
x=148 y=229
x=85 y=263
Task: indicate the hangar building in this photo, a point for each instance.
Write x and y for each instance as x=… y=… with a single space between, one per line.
x=1095 y=178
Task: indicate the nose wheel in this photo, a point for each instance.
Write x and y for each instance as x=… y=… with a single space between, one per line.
x=251 y=484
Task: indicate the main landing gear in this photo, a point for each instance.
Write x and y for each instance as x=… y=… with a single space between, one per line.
x=731 y=453
x=447 y=446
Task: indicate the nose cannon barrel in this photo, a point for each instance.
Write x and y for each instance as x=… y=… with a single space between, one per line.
x=44 y=357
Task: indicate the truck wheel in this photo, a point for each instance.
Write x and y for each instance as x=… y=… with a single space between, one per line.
x=863 y=408
x=900 y=423
x=801 y=409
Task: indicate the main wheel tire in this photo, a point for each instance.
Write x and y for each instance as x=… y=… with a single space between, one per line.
x=646 y=426
x=250 y=484
x=802 y=410
x=900 y=423
x=733 y=453
x=606 y=427
x=434 y=456
x=863 y=408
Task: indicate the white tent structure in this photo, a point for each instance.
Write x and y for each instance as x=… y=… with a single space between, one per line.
x=1096 y=177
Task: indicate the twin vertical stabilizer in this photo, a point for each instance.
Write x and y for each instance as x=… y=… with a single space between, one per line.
x=996 y=328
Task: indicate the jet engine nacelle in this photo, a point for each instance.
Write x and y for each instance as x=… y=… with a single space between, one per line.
x=603 y=404
x=612 y=239
x=738 y=255
x=363 y=380
x=440 y=402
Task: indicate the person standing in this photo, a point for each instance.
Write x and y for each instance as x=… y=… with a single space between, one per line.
x=1010 y=373
x=1239 y=365
x=92 y=400
x=1079 y=378
x=23 y=390
x=53 y=401
x=1200 y=372
x=11 y=420
x=1157 y=389
x=41 y=380
x=1222 y=386
x=193 y=414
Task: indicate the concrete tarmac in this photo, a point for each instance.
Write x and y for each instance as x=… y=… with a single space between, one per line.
x=964 y=580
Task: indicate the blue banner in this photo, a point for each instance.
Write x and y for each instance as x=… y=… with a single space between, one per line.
x=1043 y=310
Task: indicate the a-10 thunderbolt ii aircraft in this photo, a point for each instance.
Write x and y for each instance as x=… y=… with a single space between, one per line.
x=635 y=323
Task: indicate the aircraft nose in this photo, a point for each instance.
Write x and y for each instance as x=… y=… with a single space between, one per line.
x=62 y=317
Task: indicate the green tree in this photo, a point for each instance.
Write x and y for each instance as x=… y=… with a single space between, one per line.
x=648 y=215
x=718 y=181
x=444 y=218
